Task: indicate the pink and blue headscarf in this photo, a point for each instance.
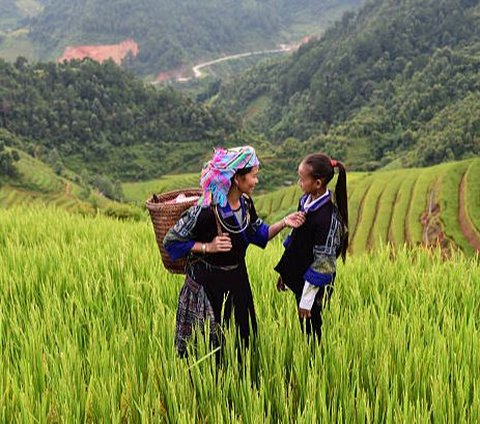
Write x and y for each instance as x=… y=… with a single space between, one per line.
x=215 y=180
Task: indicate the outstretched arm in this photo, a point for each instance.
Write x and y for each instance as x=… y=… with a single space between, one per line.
x=294 y=220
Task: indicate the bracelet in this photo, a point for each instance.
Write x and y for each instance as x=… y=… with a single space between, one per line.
x=204 y=248
x=285 y=222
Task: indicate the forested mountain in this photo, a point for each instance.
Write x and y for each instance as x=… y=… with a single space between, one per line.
x=400 y=78
x=97 y=118
x=171 y=33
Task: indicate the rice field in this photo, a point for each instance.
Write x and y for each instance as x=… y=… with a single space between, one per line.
x=387 y=206
x=138 y=192
x=39 y=185
x=472 y=193
x=87 y=316
x=384 y=206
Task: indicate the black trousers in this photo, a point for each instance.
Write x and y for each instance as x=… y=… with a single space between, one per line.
x=313 y=326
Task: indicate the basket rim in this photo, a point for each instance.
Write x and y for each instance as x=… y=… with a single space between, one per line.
x=169 y=195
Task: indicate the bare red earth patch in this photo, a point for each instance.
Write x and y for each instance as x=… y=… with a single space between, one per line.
x=101 y=52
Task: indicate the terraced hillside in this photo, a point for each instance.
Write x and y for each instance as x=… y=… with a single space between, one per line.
x=436 y=205
x=39 y=185
x=138 y=192
x=439 y=205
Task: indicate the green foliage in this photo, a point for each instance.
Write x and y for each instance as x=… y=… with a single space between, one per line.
x=88 y=318
x=93 y=116
x=107 y=187
x=36 y=183
x=139 y=192
x=171 y=33
x=396 y=79
x=448 y=199
x=473 y=193
x=388 y=206
x=8 y=158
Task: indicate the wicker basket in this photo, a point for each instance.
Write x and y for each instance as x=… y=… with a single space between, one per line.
x=164 y=215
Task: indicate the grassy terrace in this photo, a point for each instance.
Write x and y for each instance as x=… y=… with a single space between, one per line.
x=384 y=206
x=473 y=193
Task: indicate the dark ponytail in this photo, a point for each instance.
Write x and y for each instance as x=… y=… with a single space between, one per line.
x=323 y=168
x=341 y=199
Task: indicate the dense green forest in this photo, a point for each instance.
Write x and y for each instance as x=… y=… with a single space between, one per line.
x=171 y=33
x=398 y=79
x=97 y=118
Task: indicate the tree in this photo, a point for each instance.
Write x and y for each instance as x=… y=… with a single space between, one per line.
x=7 y=162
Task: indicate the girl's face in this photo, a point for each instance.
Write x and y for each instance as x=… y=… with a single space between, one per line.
x=246 y=183
x=307 y=183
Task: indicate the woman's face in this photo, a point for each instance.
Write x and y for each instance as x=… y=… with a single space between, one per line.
x=307 y=183
x=246 y=183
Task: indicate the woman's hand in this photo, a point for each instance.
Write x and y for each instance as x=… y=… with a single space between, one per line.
x=304 y=313
x=295 y=220
x=221 y=243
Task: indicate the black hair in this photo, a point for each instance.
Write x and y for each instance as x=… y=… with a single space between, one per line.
x=323 y=168
x=243 y=171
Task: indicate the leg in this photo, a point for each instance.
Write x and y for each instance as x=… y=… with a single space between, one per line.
x=321 y=300
x=313 y=326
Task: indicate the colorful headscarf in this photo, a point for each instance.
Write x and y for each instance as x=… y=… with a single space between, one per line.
x=216 y=174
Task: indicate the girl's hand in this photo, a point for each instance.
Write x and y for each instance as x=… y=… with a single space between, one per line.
x=281 y=285
x=221 y=243
x=295 y=220
x=304 y=313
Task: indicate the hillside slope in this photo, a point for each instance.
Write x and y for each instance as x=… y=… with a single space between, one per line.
x=437 y=206
x=37 y=184
x=171 y=33
x=398 y=79
x=102 y=119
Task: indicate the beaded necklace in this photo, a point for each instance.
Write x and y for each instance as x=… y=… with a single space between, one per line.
x=230 y=228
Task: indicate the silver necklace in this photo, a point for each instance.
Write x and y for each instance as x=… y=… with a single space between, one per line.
x=233 y=229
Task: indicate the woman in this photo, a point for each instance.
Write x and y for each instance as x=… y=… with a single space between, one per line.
x=215 y=235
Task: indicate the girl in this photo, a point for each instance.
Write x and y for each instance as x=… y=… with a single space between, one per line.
x=216 y=274
x=308 y=265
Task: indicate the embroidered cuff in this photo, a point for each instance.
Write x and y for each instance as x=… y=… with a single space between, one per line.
x=308 y=296
x=317 y=278
x=260 y=237
x=178 y=249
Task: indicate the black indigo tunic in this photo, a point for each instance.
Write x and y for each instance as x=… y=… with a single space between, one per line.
x=223 y=276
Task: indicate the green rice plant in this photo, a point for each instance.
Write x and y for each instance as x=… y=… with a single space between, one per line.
x=265 y=203
x=355 y=199
x=87 y=317
x=420 y=199
x=276 y=201
x=38 y=175
x=138 y=192
x=291 y=198
x=449 y=201
x=473 y=193
x=399 y=223
x=379 y=232
x=367 y=214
